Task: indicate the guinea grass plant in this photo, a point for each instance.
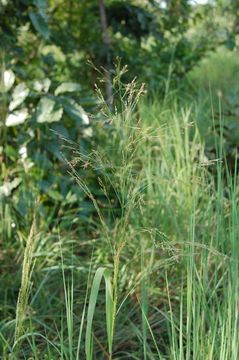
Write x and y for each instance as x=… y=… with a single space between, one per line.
x=158 y=277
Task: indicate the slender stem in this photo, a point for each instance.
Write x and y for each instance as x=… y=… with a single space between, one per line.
x=107 y=45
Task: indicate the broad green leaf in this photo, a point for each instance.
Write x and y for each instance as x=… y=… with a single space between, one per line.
x=10 y=151
x=42 y=7
x=48 y=111
x=40 y=24
x=19 y=95
x=75 y=111
x=8 y=79
x=67 y=87
x=17 y=117
x=41 y=3
x=100 y=273
x=42 y=85
x=60 y=130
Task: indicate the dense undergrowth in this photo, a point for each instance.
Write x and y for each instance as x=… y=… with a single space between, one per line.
x=151 y=271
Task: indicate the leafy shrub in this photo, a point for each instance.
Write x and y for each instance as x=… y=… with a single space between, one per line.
x=215 y=81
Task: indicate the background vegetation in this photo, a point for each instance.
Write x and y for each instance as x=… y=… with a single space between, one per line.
x=119 y=179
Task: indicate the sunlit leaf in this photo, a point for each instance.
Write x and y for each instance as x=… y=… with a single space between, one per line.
x=17 y=117
x=42 y=85
x=53 y=51
x=48 y=111
x=19 y=95
x=3 y=2
x=8 y=79
x=7 y=188
x=67 y=87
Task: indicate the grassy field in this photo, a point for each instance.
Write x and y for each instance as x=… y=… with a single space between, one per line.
x=153 y=273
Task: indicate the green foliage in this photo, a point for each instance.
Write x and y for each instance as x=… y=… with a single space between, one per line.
x=139 y=194
x=172 y=247
x=161 y=31
x=218 y=96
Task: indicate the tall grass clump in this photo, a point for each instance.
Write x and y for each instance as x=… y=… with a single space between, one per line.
x=175 y=234
x=150 y=171
x=154 y=274
x=118 y=169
